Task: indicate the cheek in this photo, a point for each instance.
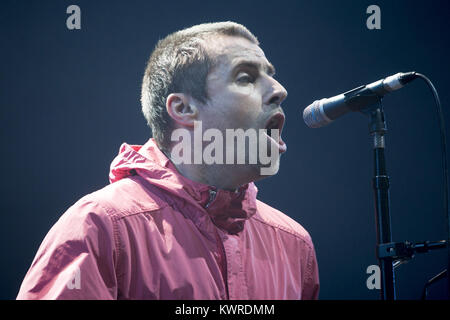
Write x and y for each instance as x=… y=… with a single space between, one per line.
x=235 y=106
x=243 y=91
x=246 y=101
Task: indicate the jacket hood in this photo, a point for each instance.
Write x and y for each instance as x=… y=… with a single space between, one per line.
x=227 y=209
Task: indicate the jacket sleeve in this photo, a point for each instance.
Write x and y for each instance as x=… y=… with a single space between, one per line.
x=311 y=285
x=76 y=259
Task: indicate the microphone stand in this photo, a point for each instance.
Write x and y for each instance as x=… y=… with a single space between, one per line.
x=380 y=185
x=389 y=254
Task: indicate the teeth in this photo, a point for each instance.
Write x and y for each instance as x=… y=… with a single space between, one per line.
x=272 y=125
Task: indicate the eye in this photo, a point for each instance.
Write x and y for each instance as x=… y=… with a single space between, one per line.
x=244 y=78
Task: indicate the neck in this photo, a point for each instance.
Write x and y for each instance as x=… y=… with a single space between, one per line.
x=221 y=176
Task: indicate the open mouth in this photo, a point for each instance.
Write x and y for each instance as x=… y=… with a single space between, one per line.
x=276 y=122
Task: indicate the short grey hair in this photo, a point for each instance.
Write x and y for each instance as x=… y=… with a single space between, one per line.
x=180 y=64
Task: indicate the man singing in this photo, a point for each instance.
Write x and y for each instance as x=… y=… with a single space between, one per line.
x=174 y=224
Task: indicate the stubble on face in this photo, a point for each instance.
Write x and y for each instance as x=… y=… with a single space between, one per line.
x=230 y=104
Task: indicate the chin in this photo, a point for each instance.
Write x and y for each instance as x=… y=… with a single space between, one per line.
x=260 y=171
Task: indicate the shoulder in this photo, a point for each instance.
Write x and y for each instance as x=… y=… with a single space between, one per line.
x=276 y=219
x=96 y=215
x=126 y=197
x=101 y=209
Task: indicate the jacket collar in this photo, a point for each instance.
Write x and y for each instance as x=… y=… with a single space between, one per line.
x=228 y=210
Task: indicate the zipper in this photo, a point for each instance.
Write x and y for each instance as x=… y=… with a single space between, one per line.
x=220 y=247
x=212 y=196
x=223 y=263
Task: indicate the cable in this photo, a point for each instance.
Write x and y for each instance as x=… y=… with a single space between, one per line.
x=444 y=168
x=437 y=277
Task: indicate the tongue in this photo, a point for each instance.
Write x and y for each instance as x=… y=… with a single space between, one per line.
x=282 y=145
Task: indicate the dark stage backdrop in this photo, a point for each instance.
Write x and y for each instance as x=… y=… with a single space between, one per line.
x=69 y=98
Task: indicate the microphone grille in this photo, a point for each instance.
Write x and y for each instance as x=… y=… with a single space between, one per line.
x=313 y=115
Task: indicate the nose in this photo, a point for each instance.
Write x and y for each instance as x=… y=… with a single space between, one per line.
x=276 y=93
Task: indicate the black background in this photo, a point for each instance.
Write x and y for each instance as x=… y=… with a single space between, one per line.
x=69 y=98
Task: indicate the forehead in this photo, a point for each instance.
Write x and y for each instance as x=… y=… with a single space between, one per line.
x=229 y=51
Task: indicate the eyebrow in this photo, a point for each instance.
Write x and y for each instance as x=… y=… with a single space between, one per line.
x=268 y=68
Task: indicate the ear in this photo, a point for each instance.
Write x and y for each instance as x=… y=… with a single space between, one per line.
x=181 y=109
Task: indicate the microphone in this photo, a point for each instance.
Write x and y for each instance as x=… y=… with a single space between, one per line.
x=324 y=111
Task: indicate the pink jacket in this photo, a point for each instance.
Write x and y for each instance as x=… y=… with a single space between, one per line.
x=154 y=234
